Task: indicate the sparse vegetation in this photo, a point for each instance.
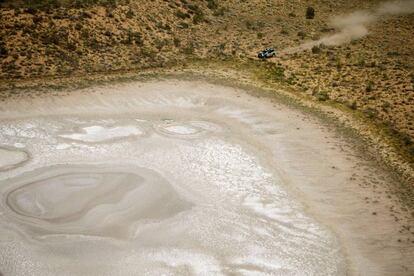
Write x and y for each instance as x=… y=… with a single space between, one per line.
x=254 y=25
x=276 y=73
x=189 y=49
x=182 y=15
x=219 y=12
x=302 y=34
x=370 y=112
x=42 y=4
x=36 y=39
x=134 y=38
x=284 y=31
x=316 y=49
x=177 y=42
x=310 y=13
x=3 y=50
x=322 y=96
x=198 y=18
x=212 y=4
x=369 y=86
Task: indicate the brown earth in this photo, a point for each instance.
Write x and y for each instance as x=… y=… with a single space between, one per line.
x=374 y=74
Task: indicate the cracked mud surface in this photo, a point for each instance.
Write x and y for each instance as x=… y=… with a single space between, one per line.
x=188 y=178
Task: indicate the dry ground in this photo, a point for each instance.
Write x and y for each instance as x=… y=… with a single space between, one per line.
x=374 y=74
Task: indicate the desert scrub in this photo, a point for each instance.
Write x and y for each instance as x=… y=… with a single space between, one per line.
x=130 y=14
x=322 y=96
x=310 y=13
x=3 y=50
x=177 y=42
x=370 y=113
x=181 y=14
x=275 y=72
x=284 y=31
x=198 y=14
x=133 y=38
x=189 y=50
x=302 y=34
x=198 y=18
x=369 y=87
x=183 y=25
x=254 y=25
x=316 y=49
x=212 y=4
x=46 y=4
x=219 y=11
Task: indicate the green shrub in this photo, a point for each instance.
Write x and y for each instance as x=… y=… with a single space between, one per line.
x=177 y=42
x=322 y=96
x=212 y=4
x=411 y=150
x=352 y=105
x=181 y=14
x=189 y=50
x=302 y=34
x=134 y=38
x=3 y=50
x=284 y=31
x=198 y=18
x=369 y=86
x=276 y=72
x=194 y=8
x=130 y=14
x=316 y=49
x=370 y=113
x=46 y=4
x=183 y=25
x=219 y=12
x=159 y=44
x=310 y=13
x=254 y=25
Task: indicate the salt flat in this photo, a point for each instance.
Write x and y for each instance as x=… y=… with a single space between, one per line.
x=179 y=177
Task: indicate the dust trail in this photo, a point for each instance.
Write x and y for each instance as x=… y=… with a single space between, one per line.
x=354 y=26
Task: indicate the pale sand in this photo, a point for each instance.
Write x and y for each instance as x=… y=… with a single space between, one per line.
x=11 y=158
x=189 y=178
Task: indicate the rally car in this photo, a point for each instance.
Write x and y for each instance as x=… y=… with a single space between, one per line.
x=267 y=53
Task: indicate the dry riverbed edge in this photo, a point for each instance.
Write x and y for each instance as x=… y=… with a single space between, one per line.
x=347 y=124
x=374 y=139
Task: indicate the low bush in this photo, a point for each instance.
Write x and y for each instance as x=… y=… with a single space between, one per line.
x=134 y=38
x=182 y=15
x=322 y=96
x=189 y=50
x=276 y=72
x=316 y=49
x=219 y=12
x=198 y=18
x=3 y=50
x=310 y=13
x=212 y=4
x=369 y=87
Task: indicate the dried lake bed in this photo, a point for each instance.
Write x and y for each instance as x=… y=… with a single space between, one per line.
x=186 y=177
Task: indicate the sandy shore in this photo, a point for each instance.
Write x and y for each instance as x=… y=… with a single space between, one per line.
x=254 y=186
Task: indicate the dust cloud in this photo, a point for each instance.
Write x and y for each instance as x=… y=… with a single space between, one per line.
x=354 y=26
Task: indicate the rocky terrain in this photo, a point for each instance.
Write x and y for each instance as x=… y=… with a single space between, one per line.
x=374 y=74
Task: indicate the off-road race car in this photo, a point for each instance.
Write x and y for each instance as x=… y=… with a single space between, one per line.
x=267 y=53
